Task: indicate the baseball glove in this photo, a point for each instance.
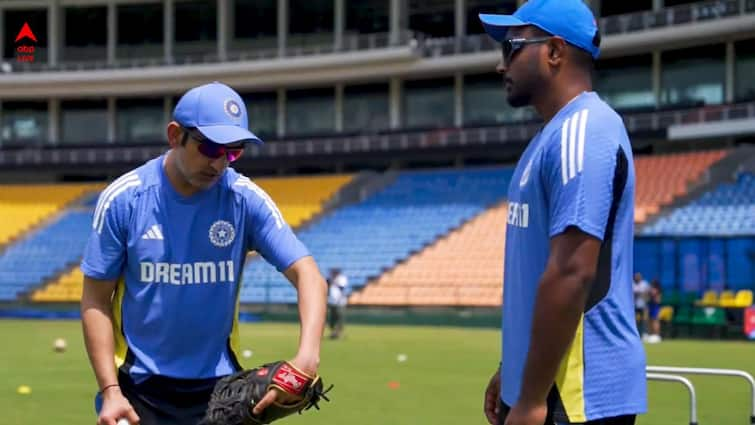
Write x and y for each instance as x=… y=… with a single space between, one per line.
x=235 y=396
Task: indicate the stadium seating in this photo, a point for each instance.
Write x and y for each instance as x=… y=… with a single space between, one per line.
x=24 y=206
x=661 y=178
x=370 y=237
x=727 y=210
x=298 y=198
x=301 y=198
x=66 y=288
x=464 y=268
x=43 y=253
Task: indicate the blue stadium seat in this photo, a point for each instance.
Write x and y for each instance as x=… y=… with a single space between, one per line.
x=43 y=254
x=726 y=210
x=367 y=238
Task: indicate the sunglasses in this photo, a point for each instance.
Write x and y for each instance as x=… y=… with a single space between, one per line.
x=511 y=46
x=210 y=149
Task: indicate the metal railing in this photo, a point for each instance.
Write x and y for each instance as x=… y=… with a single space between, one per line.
x=711 y=372
x=690 y=389
x=369 y=143
x=188 y=54
x=426 y=46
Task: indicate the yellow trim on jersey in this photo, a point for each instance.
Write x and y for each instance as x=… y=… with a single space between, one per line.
x=571 y=375
x=121 y=348
x=235 y=340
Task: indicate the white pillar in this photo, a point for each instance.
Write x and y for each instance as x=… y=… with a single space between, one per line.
x=2 y=34
x=395 y=93
x=53 y=120
x=396 y=20
x=167 y=110
x=281 y=116
x=111 y=124
x=112 y=31
x=657 y=5
x=222 y=30
x=730 y=84
x=460 y=15
x=168 y=33
x=656 y=77
x=54 y=34
x=458 y=99
x=595 y=7
x=339 y=23
x=339 y=107
x=282 y=27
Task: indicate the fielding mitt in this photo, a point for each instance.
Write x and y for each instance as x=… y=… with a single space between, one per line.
x=235 y=396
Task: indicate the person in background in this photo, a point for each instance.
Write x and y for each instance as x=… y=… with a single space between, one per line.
x=641 y=290
x=654 y=307
x=337 y=300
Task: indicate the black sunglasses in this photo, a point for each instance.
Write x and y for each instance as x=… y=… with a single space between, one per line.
x=511 y=46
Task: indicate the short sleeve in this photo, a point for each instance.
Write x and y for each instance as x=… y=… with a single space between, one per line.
x=268 y=233
x=580 y=175
x=105 y=252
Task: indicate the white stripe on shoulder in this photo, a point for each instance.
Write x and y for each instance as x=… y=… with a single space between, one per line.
x=111 y=187
x=573 y=134
x=564 y=136
x=573 y=145
x=109 y=194
x=247 y=183
x=581 y=144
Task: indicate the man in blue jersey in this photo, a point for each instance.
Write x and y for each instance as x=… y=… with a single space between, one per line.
x=571 y=351
x=163 y=269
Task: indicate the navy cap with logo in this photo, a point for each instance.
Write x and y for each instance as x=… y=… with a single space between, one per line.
x=217 y=111
x=571 y=20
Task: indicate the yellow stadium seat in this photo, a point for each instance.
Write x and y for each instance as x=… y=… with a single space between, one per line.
x=666 y=314
x=743 y=298
x=710 y=298
x=726 y=299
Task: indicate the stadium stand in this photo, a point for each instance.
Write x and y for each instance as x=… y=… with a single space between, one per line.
x=301 y=198
x=662 y=178
x=463 y=268
x=43 y=253
x=298 y=198
x=367 y=238
x=727 y=210
x=24 y=206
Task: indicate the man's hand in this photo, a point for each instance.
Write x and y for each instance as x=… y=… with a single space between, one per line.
x=307 y=364
x=493 y=398
x=114 y=407
x=522 y=414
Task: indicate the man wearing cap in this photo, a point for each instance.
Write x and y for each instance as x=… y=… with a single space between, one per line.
x=570 y=351
x=163 y=269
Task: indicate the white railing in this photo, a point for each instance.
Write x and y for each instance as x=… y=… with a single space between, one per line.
x=690 y=389
x=711 y=372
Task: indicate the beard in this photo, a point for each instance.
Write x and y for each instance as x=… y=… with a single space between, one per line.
x=518 y=100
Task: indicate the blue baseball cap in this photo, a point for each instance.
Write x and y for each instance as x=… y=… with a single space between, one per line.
x=217 y=111
x=571 y=20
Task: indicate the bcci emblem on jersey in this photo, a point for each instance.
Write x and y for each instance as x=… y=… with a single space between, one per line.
x=222 y=233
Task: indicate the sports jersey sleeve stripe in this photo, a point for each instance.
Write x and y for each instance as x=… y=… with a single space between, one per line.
x=245 y=182
x=564 y=135
x=108 y=190
x=581 y=140
x=112 y=197
x=572 y=145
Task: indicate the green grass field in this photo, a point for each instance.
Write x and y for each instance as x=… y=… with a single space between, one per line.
x=441 y=382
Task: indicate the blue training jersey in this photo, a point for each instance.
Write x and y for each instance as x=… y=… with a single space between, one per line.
x=178 y=262
x=577 y=171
